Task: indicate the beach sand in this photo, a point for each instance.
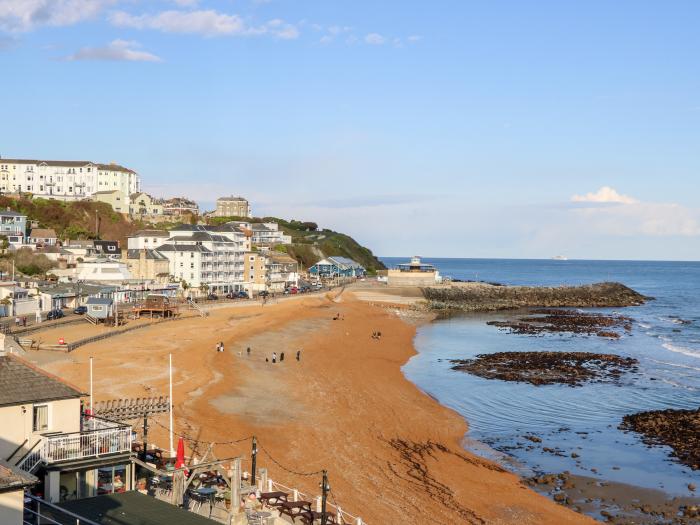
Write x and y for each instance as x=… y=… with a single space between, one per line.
x=393 y=454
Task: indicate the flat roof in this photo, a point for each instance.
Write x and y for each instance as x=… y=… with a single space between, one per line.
x=133 y=508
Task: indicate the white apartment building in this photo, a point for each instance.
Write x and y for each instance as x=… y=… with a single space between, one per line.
x=65 y=179
x=202 y=256
x=268 y=233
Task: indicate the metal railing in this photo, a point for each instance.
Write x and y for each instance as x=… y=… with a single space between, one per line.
x=105 y=439
x=342 y=517
x=37 y=511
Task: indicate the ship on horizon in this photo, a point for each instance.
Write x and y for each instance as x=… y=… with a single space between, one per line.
x=560 y=258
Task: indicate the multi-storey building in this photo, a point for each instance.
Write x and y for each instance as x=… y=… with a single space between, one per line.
x=209 y=258
x=180 y=206
x=65 y=179
x=13 y=225
x=268 y=233
x=232 y=207
x=45 y=433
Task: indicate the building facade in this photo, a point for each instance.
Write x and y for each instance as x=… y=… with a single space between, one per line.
x=147 y=265
x=268 y=234
x=65 y=180
x=44 y=433
x=13 y=225
x=180 y=206
x=142 y=204
x=336 y=266
x=232 y=207
x=118 y=200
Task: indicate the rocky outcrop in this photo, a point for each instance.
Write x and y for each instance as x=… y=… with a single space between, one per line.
x=548 y=368
x=678 y=429
x=481 y=297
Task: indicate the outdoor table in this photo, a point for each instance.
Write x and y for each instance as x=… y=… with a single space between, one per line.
x=209 y=493
x=294 y=509
x=308 y=518
x=273 y=498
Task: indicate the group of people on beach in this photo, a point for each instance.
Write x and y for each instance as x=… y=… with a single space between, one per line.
x=21 y=321
x=376 y=335
x=281 y=358
x=220 y=346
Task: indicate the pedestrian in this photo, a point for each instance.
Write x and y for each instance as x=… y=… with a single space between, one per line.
x=221 y=346
x=218 y=348
x=281 y=357
x=24 y=321
x=274 y=357
x=248 y=351
x=298 y=355
x=17 y=321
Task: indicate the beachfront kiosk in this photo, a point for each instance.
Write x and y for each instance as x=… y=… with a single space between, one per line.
x=413 y=273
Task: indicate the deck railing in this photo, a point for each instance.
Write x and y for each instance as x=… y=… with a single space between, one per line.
x=37 y=511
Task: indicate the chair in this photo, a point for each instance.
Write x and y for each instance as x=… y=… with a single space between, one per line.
x=252 y=517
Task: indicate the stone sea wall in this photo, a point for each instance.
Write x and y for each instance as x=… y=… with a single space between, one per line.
x=482 y=297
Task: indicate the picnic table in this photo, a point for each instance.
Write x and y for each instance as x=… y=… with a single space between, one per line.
x=310 y=517
x=294 y=509
x=274 y=498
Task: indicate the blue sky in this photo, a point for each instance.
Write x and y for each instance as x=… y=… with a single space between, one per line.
x=454 y=128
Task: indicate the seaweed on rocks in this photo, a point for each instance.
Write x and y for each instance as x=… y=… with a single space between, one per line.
x=678 y=429
x=569 y=321
x=547 y=368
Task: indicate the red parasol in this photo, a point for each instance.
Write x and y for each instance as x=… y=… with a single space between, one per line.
x=180 y=457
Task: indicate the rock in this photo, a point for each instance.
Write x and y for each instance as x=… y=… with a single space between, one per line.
x=691 y=487
x=560 y=497
x=574 y=455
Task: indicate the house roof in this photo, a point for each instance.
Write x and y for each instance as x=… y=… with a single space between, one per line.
x=150 y=254
x=99 y=300
x=70 y=164
x=10 y=213
x=231 y=199
x=345 y=261
x=107 y=192
x=12 y=478
x=43 y=233
x=133 y=508
x=21 y=382
x=151 y=233
x=183 y=248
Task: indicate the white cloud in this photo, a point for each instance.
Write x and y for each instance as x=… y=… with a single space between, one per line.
x=17 y=16
x=375 y=39
x=203 y=22
x=117 y=50
x=605 y=194
x=622 y=215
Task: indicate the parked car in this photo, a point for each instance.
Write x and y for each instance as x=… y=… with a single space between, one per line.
x=264 y=293
x=292 y=290
x=80 y=310
x=54 y=314
x=242 y=295
x=212 y=297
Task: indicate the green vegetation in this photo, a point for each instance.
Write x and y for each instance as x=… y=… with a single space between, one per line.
x=310 y=245
x=26 y=262
x=75 y=219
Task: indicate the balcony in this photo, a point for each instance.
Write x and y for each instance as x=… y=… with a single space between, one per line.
x=103 y=438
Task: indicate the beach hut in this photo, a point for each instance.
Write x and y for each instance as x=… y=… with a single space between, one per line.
x=100 y=308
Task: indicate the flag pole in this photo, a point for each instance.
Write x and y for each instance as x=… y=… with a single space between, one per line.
x=91 y=411
x=170 y=367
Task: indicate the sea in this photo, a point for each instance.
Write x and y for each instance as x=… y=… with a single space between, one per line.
x=665 y=339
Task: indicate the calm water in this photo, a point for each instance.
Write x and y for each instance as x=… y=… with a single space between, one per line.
x=582 y=420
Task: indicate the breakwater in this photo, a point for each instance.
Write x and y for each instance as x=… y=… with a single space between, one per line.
x=483 y=297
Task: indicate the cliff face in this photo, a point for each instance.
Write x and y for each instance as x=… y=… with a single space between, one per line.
x=480 y=297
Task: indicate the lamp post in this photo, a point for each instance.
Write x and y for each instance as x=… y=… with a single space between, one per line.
x=254 y=455
x=325 y=488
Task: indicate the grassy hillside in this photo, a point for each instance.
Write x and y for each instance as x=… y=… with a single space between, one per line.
x=74 y=220
x=309 y=245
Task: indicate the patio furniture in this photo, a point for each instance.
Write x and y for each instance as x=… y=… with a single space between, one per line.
x=294 y=509
x=273 y=499
x=311 y=517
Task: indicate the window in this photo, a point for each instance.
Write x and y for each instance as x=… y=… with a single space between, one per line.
x=40 y=418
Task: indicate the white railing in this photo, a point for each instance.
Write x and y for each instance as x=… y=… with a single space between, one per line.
x=342 y=517
x=79 y=445
x=66 y=447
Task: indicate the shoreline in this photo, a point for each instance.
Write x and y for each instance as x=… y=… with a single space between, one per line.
x=394 y=454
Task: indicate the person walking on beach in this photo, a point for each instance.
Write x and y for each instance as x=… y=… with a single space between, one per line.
x=24 y=321
x=248 y=351
x=274 y=357
x=218 y=347
x=221 y=346
x=298 y=355
x=281 y=357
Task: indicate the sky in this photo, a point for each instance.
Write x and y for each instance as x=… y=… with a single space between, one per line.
x=491 y=128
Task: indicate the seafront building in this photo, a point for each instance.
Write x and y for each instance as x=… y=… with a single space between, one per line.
x=232 y=207
x=65 y=179
x=337 y=266
x=413 y=273
x=180 y=206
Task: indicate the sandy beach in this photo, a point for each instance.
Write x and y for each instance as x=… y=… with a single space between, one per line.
x=393 y=454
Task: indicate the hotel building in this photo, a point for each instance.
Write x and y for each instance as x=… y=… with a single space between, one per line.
x=65 y=179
